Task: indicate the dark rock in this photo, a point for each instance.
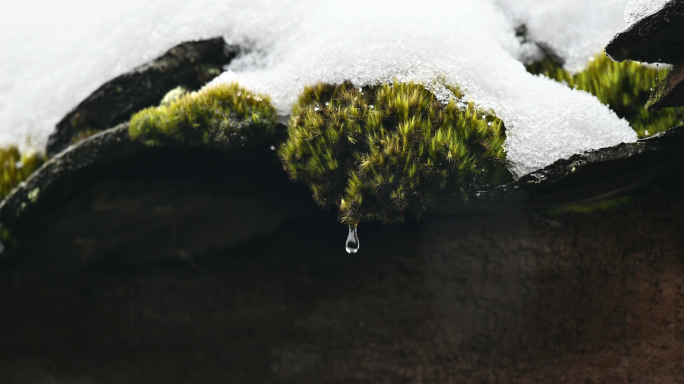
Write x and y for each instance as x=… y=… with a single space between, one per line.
x=61 y=175
x=582 y=178
x=173 y=264
x=658 y=38
x=116 y=200
x=585 y=177
x=480 y=298
x=190 y=64
x=670 y=91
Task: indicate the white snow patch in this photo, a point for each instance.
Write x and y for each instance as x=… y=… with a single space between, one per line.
x=468 y=43
x=574 y=30
x=638 y=9
x=54 y=58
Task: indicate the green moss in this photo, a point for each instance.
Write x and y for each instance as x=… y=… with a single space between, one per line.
x=220 y=116
x=625 y=87
x=16 y=167
x=173 y=95
x=599 y=206
x=658 y=94
x=210 y=71
x=388 y=152
x=33 y=195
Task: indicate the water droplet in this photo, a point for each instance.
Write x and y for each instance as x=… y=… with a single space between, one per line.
x=352 y=244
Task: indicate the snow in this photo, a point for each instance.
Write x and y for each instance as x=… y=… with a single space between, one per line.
x=48 y=68
x=638 y=9
x=572 y=29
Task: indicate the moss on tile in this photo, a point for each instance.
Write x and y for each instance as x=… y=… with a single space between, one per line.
x=386 y=153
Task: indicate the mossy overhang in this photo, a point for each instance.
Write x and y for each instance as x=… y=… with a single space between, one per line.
x=383 y=152
x=190 y=64
x=221 y=115
x=657 y=38
x=590 y=176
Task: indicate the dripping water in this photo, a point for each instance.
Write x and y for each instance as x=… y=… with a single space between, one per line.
x=352 y=244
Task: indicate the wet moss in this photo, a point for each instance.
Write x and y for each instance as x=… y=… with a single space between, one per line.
x=223 y=116
x=15 y=167
x=624 y=87
x=386 y=153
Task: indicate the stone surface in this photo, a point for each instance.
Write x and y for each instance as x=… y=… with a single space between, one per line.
x=670 y=91
x=181 y=265
x=190 y=64
x=658 y=38
x=585 y=177
x=582 y=178
x=133 y=221
x=521 y=297
x=117 y=200
x=64 y=174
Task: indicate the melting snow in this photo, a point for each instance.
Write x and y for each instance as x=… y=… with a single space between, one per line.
x=48 y=68
x=638 y=9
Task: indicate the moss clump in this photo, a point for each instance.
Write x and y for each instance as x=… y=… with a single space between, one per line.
x=223 y=116
x=387 y=152
x=600 y=206
x=624 y=87
x=16 y=167
x=173 y=95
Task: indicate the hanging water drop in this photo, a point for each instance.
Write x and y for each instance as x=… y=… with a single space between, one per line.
x=352 y=244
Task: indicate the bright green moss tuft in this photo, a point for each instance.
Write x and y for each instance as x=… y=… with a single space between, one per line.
x=16 y=167
x=624 y=87
x=219 y=116
x=387 y=152
x=173 y=95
